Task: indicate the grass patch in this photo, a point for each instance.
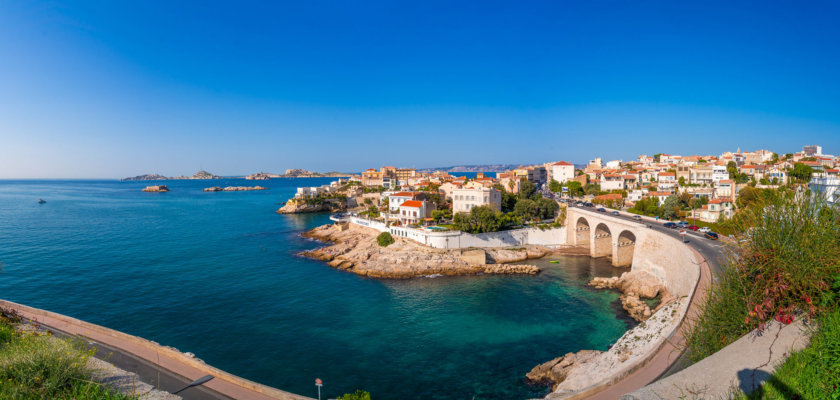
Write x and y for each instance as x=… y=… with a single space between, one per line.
x=40 y=366
x=811 y=373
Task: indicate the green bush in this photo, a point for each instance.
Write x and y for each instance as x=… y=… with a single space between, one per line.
x=786 y=263
x=385 y=239
x=37 y=366
x=359 y=395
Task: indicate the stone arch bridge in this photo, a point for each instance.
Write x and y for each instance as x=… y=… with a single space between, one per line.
x=604 y=235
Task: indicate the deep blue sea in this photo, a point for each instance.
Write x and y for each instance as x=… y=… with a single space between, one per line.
x=217 y=274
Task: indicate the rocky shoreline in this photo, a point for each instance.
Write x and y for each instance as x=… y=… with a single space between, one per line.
x=354 y=249
x=634 y=286
x=233 y=188
x=293 y=207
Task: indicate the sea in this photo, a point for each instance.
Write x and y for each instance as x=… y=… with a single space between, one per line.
x=219 y=275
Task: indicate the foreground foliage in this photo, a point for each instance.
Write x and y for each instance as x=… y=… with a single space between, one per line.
x=359 y=395
x=39 y=366
x=812 y=373
x=786 y=262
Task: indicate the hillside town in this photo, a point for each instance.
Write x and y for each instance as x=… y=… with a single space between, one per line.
x=703 y=188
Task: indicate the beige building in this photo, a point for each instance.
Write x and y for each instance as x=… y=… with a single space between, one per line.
x=464 y=200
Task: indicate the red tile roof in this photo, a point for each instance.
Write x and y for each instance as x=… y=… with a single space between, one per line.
x=403 y=194
x=562 y=163
x=412 y=204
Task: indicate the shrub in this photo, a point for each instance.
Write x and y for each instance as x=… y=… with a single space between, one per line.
x=35 y=366
x=786 y=263
x=359 y=395
x=385 y=239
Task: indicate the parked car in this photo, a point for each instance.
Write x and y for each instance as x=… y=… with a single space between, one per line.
x=670 y=225
x=590 y=205
x=682 y=224
x=602 y=209
x=637 y=217
x=614 y=212
x=711 y=235
x=704 y=229
x=692 y=227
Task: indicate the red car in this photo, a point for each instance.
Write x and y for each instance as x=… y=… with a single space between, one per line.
x=693 y=227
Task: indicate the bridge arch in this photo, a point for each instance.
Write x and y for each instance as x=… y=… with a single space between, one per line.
x=601 y=241
x=582 y=232
x=624 y=249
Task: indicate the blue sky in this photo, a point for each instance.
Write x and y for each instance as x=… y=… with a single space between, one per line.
x=112 y=89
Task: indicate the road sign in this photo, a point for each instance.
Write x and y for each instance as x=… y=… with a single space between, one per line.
x=319 y=382
x=682 y=233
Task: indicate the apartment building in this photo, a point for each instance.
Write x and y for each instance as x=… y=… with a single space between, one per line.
x=464 y=200
x=562 y=171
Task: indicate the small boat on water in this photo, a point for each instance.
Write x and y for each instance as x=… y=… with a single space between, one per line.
x=554 y=261
x=41 y=201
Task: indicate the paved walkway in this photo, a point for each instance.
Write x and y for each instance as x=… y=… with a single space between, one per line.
x=168 y=359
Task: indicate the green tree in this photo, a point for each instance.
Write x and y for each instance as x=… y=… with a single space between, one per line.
x=442 y=214
x=681 y=181
x=527 y=209
x=555 y=186
x=801 y=172
x=575 y=188
x=385 y=239
x=657 y=156
x=670 y=208
x=526 y=189
x=592 y=188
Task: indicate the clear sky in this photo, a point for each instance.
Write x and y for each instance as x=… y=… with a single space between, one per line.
x=107 y=89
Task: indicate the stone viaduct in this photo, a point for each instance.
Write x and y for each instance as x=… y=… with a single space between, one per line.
x=632 y=244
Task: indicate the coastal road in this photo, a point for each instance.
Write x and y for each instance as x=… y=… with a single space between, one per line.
x=668 y=359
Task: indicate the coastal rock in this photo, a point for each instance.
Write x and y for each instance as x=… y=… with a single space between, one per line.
x=300 y=208
x=555 y=371
x=507 y=255
x=634 y=286
x=354 y=248
x=156 y=188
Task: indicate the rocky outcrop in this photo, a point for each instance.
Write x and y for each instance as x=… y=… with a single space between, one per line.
x=156 y=177
x=555 y=371
x=233 y=188
x=355 y=249
x=145 y=177
x=634 y=286
x=510 y=255
x=156 y=188
x=295 y=207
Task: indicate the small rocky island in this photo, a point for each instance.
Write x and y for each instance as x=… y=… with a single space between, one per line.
x=156 y=189
x=354 y=248
x=233 y=188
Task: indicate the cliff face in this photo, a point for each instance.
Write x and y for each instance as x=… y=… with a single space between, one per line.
x=292 y=207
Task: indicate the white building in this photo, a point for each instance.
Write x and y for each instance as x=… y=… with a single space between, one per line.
x=635 y=195
x=614 y=164
x=464 y=200
x=719 y=173
x=666 y=181
x=827 y=186
x=413 y=211
x=612 y=182
x=395 y=200
x=562 y=171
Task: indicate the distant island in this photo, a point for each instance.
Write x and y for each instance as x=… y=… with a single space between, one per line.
x=157 y=177
x=473 y=168
x=298 y=173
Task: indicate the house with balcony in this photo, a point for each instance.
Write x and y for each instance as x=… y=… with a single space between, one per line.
x=666 y=181
x=414 y=211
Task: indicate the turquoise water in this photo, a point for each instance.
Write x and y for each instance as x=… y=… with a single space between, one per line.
x=217 y=274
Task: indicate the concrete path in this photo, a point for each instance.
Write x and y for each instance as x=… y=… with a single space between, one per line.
x=167 y=361
x=741 y=366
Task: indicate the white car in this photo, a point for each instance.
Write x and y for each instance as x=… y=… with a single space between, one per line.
x=704 y=229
